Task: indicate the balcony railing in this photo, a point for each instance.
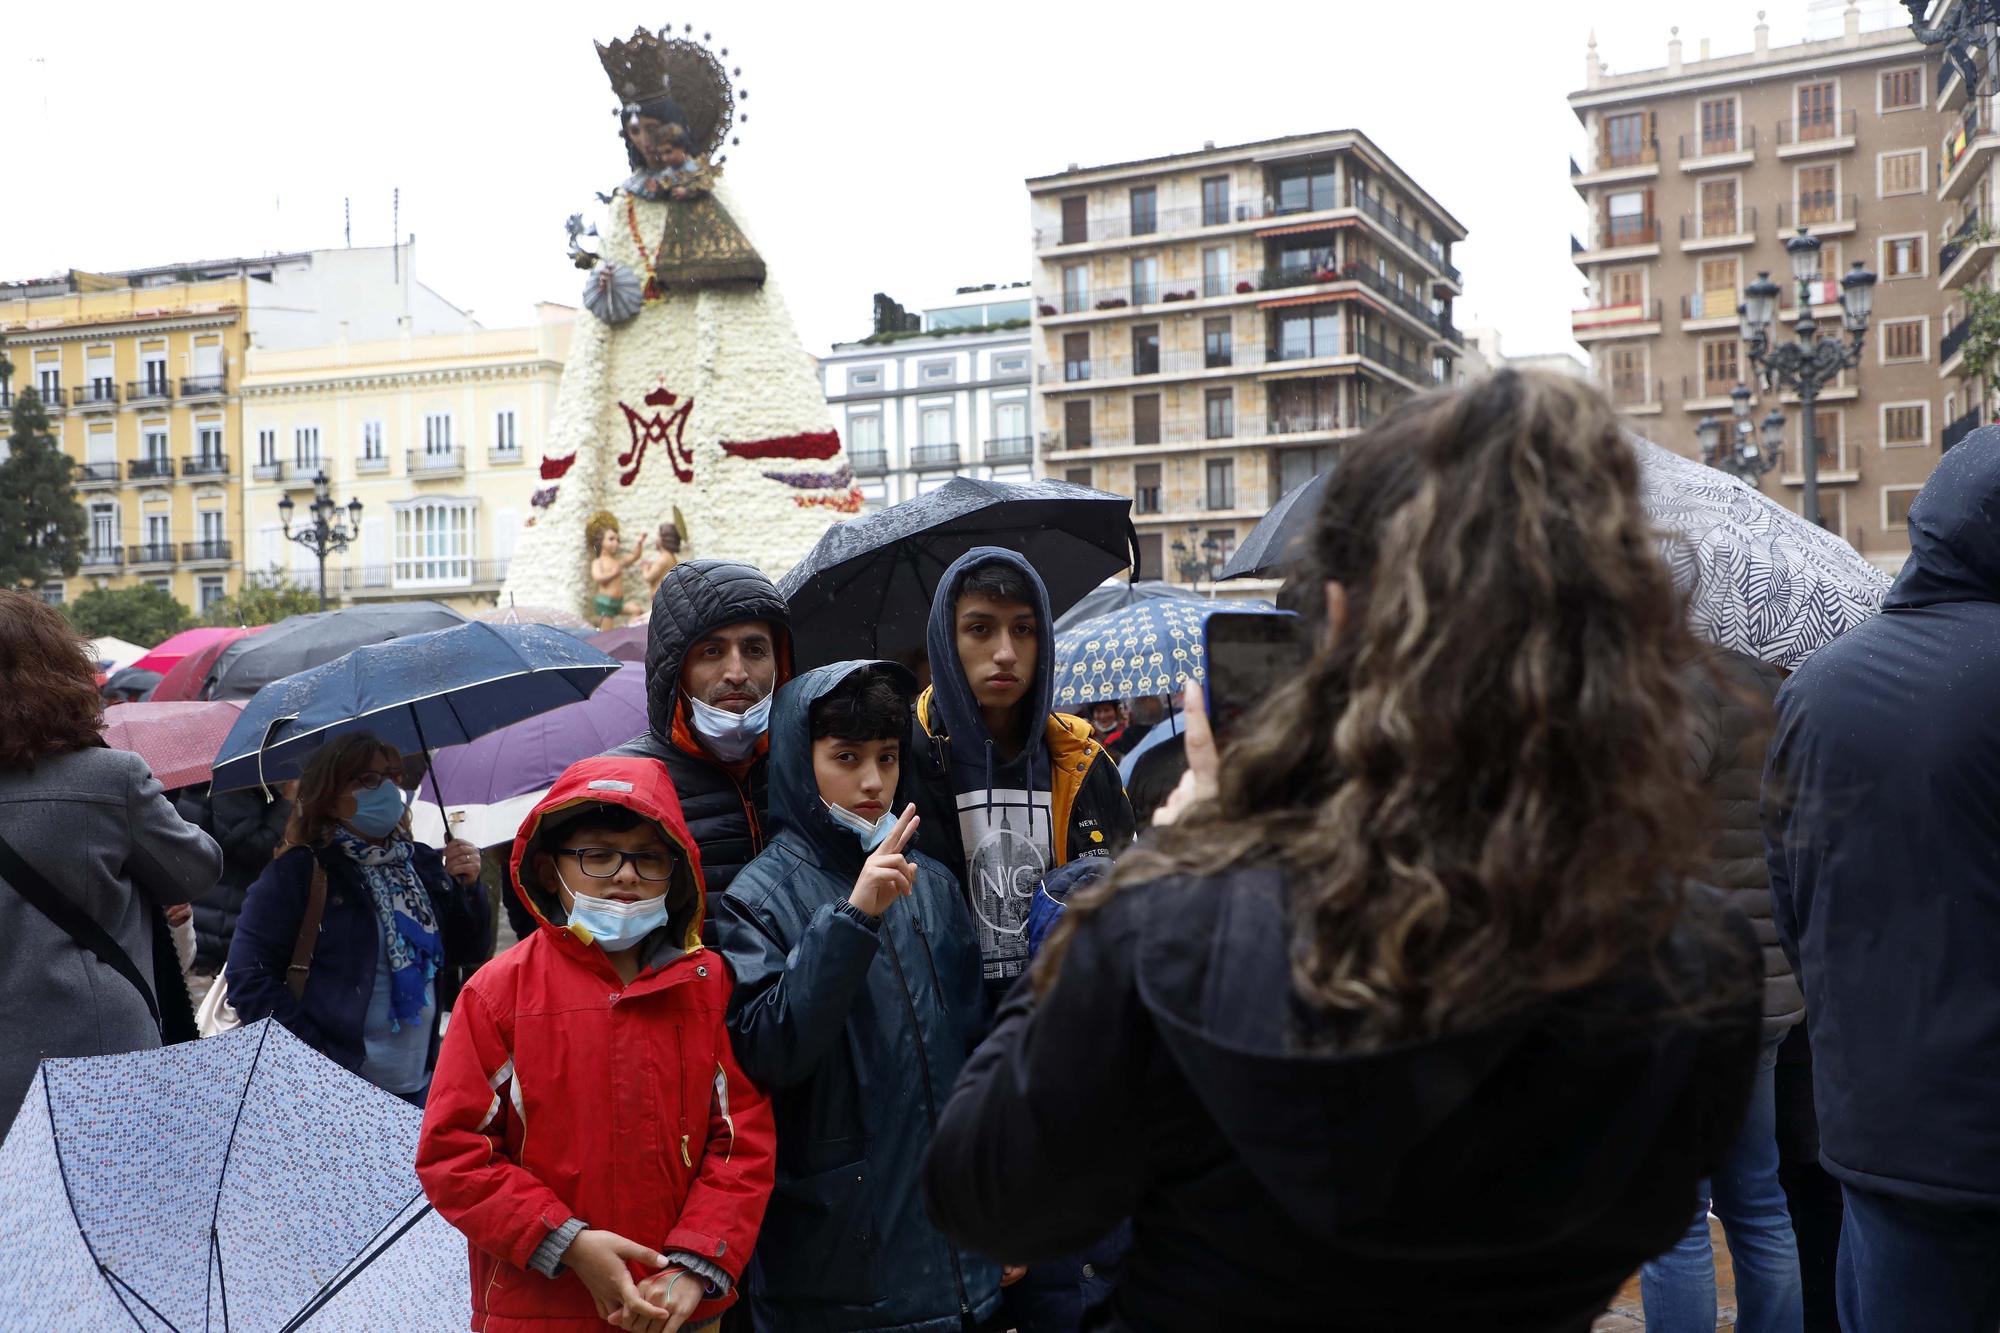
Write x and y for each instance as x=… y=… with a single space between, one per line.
x=1404 y=232
x=868 y=462
x=424 y=463
x=55 y=402
x=1694 y=147
x=501 y=455
x=1954 y=340
x=1637 y=155
x=1619 y=232
x=1592 y=318
x=204 y=386
x=266 y=471
x=1710 y=305
x=1701 y=386
x=1372 y=348
x=153 y=553
x=149 y=469
x=1815 y=210
x=1009 y=449
x=1953 y=248
x=1709 y=224
x=88 y=474
x=196 y=552
x=1116 y=226
x=934 y=455
x=205 y=465
x=95 y=395
x=1054 y=440
x=149 y=391
x=1956 y=432
x=103 y=557
x=1818 y=129
x=1975 y=121
x=422 y=572
x=372 y=463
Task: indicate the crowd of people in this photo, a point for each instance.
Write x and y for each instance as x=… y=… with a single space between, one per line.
x=1479 y=966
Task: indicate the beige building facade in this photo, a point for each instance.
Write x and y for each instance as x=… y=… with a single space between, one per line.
x=1208 y=326
x=438 y=437
x=1694 y=175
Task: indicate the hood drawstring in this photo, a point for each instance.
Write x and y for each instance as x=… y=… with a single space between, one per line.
x=989 y=778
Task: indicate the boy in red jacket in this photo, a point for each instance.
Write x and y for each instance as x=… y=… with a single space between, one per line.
x=588 y=1128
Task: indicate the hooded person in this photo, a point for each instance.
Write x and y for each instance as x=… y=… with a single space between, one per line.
x=857 y=1000
x=604 y=1030
x=719 y=643
x=1007 y=789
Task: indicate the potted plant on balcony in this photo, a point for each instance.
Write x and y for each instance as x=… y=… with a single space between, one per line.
x=1245 y=286
x=1113 y=303
x=1046 y=309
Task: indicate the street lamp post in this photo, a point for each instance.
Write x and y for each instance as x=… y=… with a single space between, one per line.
x=1744 y=458
x=1812 y=361
x=324 y=534
x=1969 y=30
x=1194 y=567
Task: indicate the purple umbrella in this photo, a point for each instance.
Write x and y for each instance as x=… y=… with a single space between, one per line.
x=529 y=755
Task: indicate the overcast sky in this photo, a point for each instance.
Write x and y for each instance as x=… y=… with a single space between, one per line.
x=885 y=149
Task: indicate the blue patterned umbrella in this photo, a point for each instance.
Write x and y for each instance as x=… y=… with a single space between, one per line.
x=243 y=1181
x=1151 y=647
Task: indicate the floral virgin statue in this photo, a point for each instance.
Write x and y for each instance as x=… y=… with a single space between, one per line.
x=689 y=392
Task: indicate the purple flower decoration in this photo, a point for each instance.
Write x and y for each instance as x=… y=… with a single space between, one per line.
x=543 y=498
x=814 y=481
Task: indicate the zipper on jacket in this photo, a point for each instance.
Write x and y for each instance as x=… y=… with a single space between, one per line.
x=930 y=1094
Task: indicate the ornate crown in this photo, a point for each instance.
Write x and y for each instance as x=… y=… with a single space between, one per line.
x=647 y=68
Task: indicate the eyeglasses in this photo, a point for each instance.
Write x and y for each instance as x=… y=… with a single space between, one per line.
x=371 y=780
x=605 y=862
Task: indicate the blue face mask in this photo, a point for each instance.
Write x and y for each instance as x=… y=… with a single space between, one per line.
x=377 y=810
x=614 y=926
x=871 y=835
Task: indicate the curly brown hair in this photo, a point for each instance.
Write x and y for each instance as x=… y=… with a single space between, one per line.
x=49 y=702
x=1479 y=786
x=326 y=778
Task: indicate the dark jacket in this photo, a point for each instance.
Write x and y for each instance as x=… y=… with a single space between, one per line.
x=955 y=775
x=1884 y=844
x=856 y=1029
x=248 y=828
x=331 y=1016
x=1504 y=1178
x=1729 y=699
x=724 y=806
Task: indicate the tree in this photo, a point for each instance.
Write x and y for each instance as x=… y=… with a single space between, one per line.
x=42 y=526
x=141 y=614
x=264 y=599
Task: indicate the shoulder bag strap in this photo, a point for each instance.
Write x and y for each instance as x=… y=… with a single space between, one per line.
x=76 y=923
x=302 y=947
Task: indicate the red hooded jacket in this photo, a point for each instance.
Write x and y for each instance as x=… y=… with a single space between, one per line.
x=561 y=1092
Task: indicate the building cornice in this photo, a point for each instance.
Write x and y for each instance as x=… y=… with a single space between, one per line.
x=929 y=390
x=925 y=344
x=19 y=335
x=295 y=387
x=1650 y=84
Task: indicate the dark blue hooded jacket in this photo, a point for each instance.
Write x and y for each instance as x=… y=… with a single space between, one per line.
x=856 y=1028
x=1882 y=818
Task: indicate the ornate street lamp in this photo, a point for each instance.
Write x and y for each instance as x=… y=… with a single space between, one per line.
x=1746 y=457
x=325 y=534
x=1196 y=557
x=1813 y=360
x=1972 y=26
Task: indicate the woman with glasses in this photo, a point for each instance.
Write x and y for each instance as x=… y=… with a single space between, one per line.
x=391 y=912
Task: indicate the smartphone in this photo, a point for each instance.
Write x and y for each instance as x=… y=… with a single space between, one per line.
x=1248 y=654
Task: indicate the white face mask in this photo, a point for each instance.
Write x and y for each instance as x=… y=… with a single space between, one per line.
x=611 y=924
x=871 y=835
x=729 y=736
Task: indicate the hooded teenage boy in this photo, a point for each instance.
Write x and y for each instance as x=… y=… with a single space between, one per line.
x=1007 y=789
x=857 y=1000
x=640 y=1191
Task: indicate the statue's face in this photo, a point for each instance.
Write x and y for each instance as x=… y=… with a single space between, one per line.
x=609 y=546
x=657 y=142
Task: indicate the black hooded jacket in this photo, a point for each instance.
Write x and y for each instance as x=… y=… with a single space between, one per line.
x=725 y=811
x=1883 y=836
x=1503 y=1178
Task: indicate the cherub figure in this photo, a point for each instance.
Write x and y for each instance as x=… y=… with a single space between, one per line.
x=607 y=569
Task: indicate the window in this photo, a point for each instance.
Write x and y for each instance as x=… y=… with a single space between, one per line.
x=1075 y=219
x=1145 y=210
x=1151 y=555
x=1896 y=501
x=1221 y=483
x=1221 y=413
x=1718 y=126
x=1903 y=340
x=937 y=372
x=1716 y=298
x=1314 y=331
x=153 y=370
x=49 y=382
x=1146 y=418
x=1076 y=356
x=437 y=434
x=208 y=591
x=1829 y=436
x=1214 y=200
x=1628 y=217
x=871 y=378
x=1905 y=424
x=1818 y=194
x=1900 y=173
x=1625 y=286
x=1076 y=288
x=1903 y=256
x=1902 y=89
x=435 y=541
x=1077 y=476
x=1296 y=467
x=1145 y=349
x=1217 y=343
x=1010 y=365
x=1718 y=207
x=211 y=526
x=159 y=535
x=371 y=439
x=1076 y=424
x=1818 y=115
x=267 y=448
x=1298 y=406
x=1145 y=280
x=1215 y=271
x=153 y=443
x=864 y=439
x=1720 y=368
x=208 y=446
x=1306 y=189
x=305 y=446
x=504 y=438
x=1627 y=139
x=1146 y=488
x=934 y=431
x=1219 y=545
x=103 y=528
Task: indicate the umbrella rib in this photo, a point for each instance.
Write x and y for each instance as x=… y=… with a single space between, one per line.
x=335 y=1287
x=223 y=1175
x=111 y=1279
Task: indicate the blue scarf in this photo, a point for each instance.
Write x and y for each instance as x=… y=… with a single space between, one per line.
x=403 y=910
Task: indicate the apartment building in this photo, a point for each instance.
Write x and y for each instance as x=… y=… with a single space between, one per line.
x=438 y=438
x=1208 y=326
x=1695 y=174
x=935 y=393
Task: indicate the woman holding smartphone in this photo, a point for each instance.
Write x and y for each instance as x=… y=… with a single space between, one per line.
x=1410 y=1017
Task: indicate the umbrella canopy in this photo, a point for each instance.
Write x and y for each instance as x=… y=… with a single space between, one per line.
x=300 y=642
x=1150 y=647
x=532 y=615
x=419 y=692
x=627 y=643
x=1117 y=594
x=111 y=653
x=1271 y=545
x=1758 y=578
x=163 y=657
x=865 y=589
x=178 y=741
x=185 y=678
x=243 y=1181
x=127 y=683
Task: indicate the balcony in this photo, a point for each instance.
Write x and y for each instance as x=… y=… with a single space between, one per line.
x=1950 y=88
x=426 y=464
x=154 y=553
x=205 y=465
x=503 y=455
x=204 y=386
x=101 y=396
x=1968 y=252
x=1636 y=319
x=1953 y=340
x=1709 y=310
x=934 y=455
x=1062 y=441
x=1010 y=449
x=209 y=552
x=370 y=582
x=368 y=464
x=1632 y=164
x=1619 y=239
x=54 y=402
x=1719 y=229
x=103 y=557
x=1634 y=395
x=868 y=462
x=96 y=474
x=1279 y=279
x=1956 y=432
x=1820 y=213
x=1418 y=244
x=149 y=391
x=1372 y=349
x=1124 y=300
x=150 y=469
x=1161 y=221
x=1712 y=152
x=266 y=471
x=1701 y=394
x=1821 y=134
x=1968 y=144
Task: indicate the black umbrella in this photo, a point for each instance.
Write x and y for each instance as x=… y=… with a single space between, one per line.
x=302 y=642
x=1280 y=535
x=129 y=683
x=1117 y=594
x=865 y=589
